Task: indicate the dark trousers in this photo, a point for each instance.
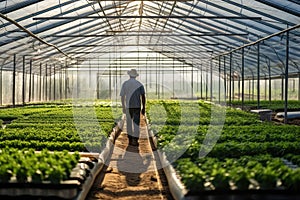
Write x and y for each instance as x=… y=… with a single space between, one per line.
x=133 y=122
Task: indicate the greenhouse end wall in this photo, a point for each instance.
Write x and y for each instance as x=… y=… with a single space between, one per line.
x=19 y=89
x=83 y=84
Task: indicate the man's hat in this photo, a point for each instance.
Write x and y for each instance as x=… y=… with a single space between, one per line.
x=132 y=73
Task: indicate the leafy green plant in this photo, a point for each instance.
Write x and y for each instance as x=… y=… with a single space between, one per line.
x=267 y=178
x=220 y=179
x=5 y=173
x=291 y=179
x=192 y=176
x=56 y=174
x=27 y=165
x=241 y=177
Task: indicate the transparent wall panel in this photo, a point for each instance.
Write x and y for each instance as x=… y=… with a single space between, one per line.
x=7 y=85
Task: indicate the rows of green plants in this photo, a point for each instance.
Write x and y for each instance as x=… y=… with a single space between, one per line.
x=200 y=113
x=58 y=127
x=242 y=136
x=295 y=159
x=275 y=105
x=28 y=166
x=247 y=172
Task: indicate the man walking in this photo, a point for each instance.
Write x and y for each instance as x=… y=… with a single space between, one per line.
x=133 y=99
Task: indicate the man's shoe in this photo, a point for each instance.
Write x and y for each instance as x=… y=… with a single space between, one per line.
x=133 y=142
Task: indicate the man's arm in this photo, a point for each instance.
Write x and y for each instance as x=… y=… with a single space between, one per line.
x=144 y=104
x=123 y=104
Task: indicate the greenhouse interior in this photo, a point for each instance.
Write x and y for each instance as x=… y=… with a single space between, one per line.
x=218 y=109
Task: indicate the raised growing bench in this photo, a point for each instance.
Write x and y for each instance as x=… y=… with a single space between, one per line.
x=265 y=114
x=289 y=115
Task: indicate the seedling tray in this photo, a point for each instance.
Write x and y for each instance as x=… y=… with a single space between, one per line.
x=67 y=189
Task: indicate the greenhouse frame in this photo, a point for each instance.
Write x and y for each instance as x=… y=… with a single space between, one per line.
x=252 y=46
x=222 y=58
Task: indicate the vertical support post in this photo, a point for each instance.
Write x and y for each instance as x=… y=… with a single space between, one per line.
x=206 y=86
x=60 y=83
x=233 y=87
x=230 y=78
x=211 y=81
x=33 y=84
x=173 y=77
x=1 y=101
x=253 y=80
x=162 y=83
x=270 y=84
x=146 y=71
x=192 y=77
x=66 y=78
x=110 y=81
x=150 y=77
x=46 y=84
x=54 y=83
x=30 y=79
x=23 y=81
x=67 y=82
x=90 y=74
x=243 y=78
x=40 y=82
x=219 y=84
x=225 y=81
x=197 y=75
x=182 y=78
x=14 y=82
x=282 y=87
x=78 y=89
x=286 y=76
x=201 y=83
x=116 y=81
x=158 y=80
x=239 y=87
x=50 y=88
x=258 y=75
x=156 y=75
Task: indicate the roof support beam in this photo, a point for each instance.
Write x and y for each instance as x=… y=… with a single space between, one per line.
x=133 y=45
x=32 y=34
x=168 y=35
x=124 y=51
x=275 y=5
x=18 y=6
x=262 y=39
x=150 y=17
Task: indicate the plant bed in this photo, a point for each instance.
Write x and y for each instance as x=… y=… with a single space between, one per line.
x=55 y=127
x=75 y=186
x=246 y=162
x=192 y=188
x=244 y=195
x=21 y=180
x=46 y=174
x=275 y=105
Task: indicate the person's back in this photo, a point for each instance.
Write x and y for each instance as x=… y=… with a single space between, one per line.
x=132 y=93
x=133 y=90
